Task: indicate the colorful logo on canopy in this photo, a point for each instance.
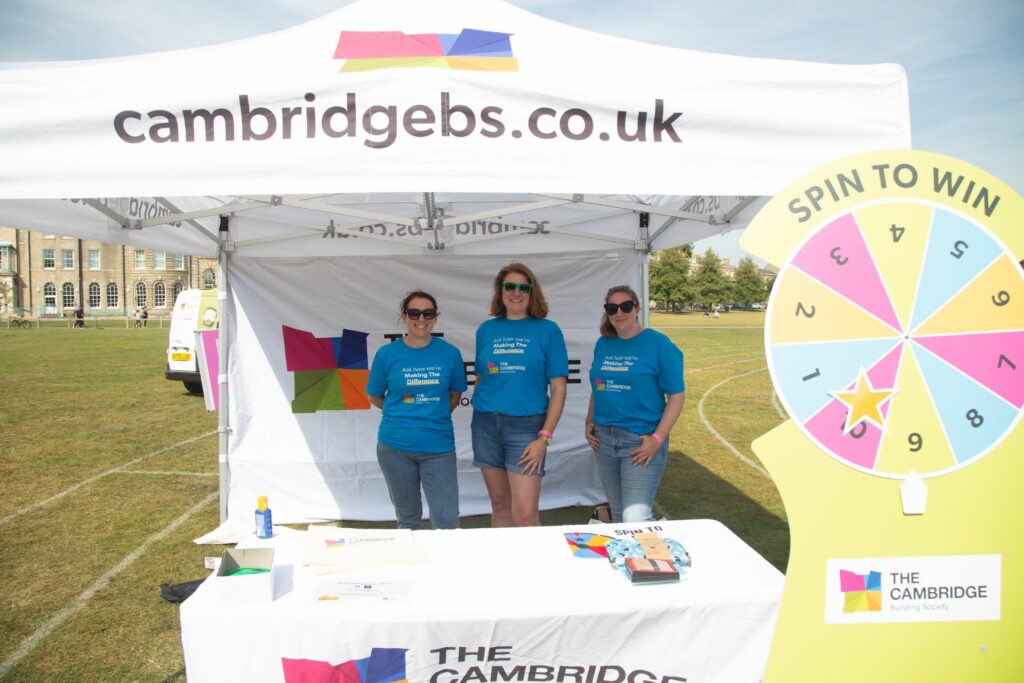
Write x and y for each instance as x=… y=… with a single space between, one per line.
x=330 y=372
x=384 y=665
x=599 y=384
x=470 y=50
x=861 y=592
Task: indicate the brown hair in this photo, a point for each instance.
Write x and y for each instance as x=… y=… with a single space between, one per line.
x=418 y=294
x=538 y=307
x=607 y=329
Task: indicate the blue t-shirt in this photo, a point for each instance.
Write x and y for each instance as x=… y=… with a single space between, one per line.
x=415 y=385
x=515 y=359
x=630 y=378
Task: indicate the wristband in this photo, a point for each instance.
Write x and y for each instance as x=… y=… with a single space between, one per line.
x=657 y=437
x=546 y=433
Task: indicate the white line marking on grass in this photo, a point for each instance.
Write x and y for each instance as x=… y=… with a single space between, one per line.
x=169 y=474
x=75 y=487
x=732 y=449
x=778 y=408
x=722 y=365
x=701 y=360
x=56 y=620
x=709 y=327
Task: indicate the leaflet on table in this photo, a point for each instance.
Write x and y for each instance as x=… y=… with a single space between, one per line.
x=329 y=549
x=334 y=590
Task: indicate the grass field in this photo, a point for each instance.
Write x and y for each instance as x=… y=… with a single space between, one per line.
x=107 y=471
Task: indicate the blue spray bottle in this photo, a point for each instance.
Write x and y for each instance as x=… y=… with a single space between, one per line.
x=264 y=523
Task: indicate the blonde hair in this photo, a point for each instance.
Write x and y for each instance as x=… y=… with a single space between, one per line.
x=607 y=329
x=538 y=307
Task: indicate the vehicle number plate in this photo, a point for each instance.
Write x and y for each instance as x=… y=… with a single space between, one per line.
x=181 y=356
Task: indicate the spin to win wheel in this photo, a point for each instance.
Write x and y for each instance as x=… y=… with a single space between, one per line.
x=895 y=338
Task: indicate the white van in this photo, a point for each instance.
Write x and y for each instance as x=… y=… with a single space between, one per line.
x=194 y=310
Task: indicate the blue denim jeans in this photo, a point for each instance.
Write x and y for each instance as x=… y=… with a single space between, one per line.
x=499 y=439
x=406 y=471
x=630 y=488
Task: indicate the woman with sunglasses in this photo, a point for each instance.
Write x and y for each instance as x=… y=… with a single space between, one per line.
x=417 y=382
x=637 y=394
x=521 y=370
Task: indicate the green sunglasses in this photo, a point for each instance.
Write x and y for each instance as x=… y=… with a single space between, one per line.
x=524 y=287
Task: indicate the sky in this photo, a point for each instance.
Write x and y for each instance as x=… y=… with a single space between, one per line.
x=964 y=58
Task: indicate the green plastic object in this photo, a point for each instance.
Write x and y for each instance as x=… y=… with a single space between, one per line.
x=245 y=571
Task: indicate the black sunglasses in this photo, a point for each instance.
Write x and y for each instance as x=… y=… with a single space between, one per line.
x=626 y=306
x=415 y=313
x=524 y=287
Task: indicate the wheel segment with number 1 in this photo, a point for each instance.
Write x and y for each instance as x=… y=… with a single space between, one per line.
x=895 y=338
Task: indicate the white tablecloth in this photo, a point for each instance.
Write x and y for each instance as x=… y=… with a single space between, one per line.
x=502 y=605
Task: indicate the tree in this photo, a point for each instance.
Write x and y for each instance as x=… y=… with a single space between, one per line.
x=711 y=284
x=5 y=293
x=748 y=288
x=670 y=276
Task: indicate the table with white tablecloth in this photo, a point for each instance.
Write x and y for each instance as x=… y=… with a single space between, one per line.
x=497 y=605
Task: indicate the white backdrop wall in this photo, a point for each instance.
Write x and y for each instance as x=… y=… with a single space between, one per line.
x=323 y=465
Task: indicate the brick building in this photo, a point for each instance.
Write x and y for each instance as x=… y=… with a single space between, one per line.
x=51 y=275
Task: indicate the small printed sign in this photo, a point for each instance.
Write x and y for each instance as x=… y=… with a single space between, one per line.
x=901 y=589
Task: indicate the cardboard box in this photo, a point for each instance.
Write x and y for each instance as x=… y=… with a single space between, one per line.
x=250 y=589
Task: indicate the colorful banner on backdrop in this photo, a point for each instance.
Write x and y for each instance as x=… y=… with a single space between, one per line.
x=303 y=431
x=895 y=341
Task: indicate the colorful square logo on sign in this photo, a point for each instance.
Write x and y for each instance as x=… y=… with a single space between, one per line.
x=330 y=372
x=492 y=368
x=598 y=384
x=469 y=49
x=861 y=592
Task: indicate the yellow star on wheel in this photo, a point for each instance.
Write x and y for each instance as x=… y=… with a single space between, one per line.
x=864 y=403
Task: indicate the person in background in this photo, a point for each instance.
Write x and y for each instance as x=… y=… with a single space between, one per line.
x=417 y=383
x=637 y=393
x=521 y=367
x=80 y=317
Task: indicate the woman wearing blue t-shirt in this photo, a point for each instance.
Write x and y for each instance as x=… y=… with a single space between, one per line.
x=417 y=381
x=637 y=393
x=521 y=370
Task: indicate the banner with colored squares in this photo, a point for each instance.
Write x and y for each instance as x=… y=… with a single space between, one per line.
x=384 y=665
x=330 y=372
x=469 y=49
x=861 y=592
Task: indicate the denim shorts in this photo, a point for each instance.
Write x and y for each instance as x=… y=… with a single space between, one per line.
x=499 y=439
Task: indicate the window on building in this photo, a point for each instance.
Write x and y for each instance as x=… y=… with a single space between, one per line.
x=209 y=279
x=160 y=260
x=178 y=262
x=5 y=259
x=159 y=295
x=67 y=259
x=94 y=295
x=50 y=295
x=175 y=291
x=140 y=294
x=111 y=295
x=94 y=259
x=50 y=260
x=67 y=295
x=140 y=259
